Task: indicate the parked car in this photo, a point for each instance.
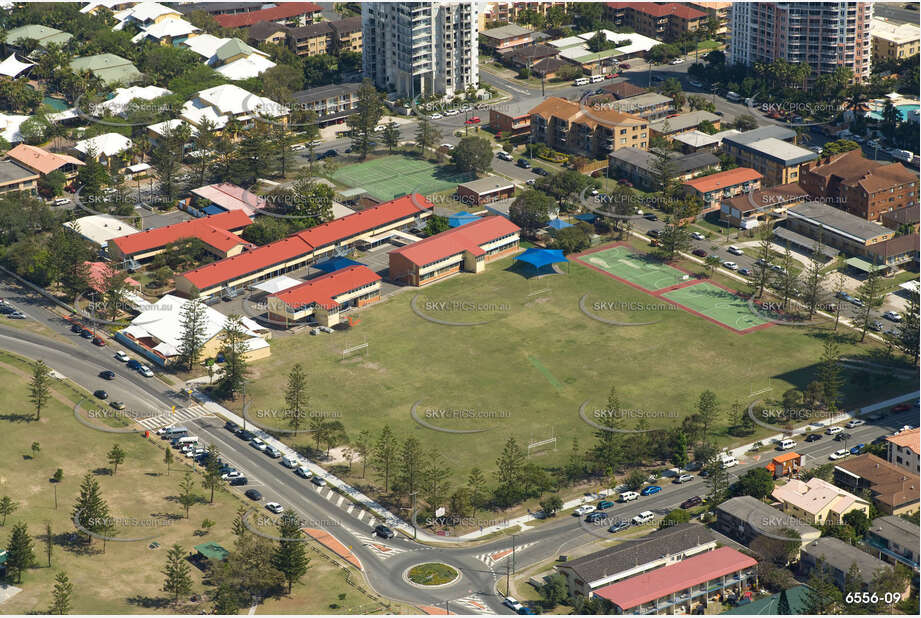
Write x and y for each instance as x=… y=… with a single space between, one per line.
x=107 y=375
x=643 y=517
x=86 y=333
x=604 y=504
x=597 y=516
x=258 y=444
x=699 y=252
x=121 y=356
x=512 y=604
x=253 y=494
x=101 y=394
x=855 y=450
x=319 y=482
x=856 y=422
x=876 y=326
x=523 y=163
x=384 y=532
x=585 y=509
x=540 y=171
x=134 y=364
x=902 y=407
x=833 y=430
x=653 y=233
x=303 y=472
x=730 y=265
x=232 y=475
x=813 y=437
x=652 y=489
x=274 y=507
x=843 y=437
x=691 y=502
x=436 y=117
x=651 y=216
x=118 y=405
x=677 y=61
x=504 y=155
x=745 y=272
x=617 y=526
x=629 y=496
x=695 y=83
x=734 y=250
x=892 y=315
x=698 y=236
x=272 y=452
x=289 y=462
x=238 y=481
x=76 y=327
x=146 y=371
x=684 y=478
x=839 y=454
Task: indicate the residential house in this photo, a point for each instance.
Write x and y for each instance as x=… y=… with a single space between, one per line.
x=16 y=178
x=769 y=150
x=267 y=32
x=861 y=186
x=749 y=211
x=817 y=501
x=640 y=166
x=167 y=32
x=42 y=35
x=230 y=57
x=109 y=149
x=565 y=125
x=760 y=527
x=144 y=15
x=839 y=558
x=667 y=546
x=696 y=141
x=509 y=124
x=797 y=596
x=505 y=37
x=227 y=102
x=124 y=101
x=528 y=56
x=224 y=197
x=715 y=188
x=624 y=90
x=347 y=35
x=677 y=124
x=892 y=488
x=43 y=162
x=894 y=540
x=108 y=68
x=902 y=448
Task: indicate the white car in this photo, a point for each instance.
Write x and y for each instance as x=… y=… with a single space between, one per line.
x=121 y=356
x=585 y=509
x=191 y=453
x=695 y=83
x=298 y=148
x=314 y=143
x=730 y=265
x=841 y=453
x=833 y=430
x=629 y=496
x=451 y=112
x=274 y=507
x=892 y=315
x=697 y=236
x=235 y=474
x=529 y=181
x=303 y=472
x=258 y=444
x=643 y=517
x=678 y=61
x=379 y=128
x=289 y=462
x=448 y=146
x=734 y=250
x=504 y=155
x=145 y=371
x=855 y=423
x=436 y=117
x=466 y=108
x=512 y=604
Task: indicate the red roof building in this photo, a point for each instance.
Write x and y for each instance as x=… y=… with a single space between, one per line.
x=465 y=248
x=284 y=10
x=305 y=247
x=325 y=296
x=666 y=21
x=218 y=232
x=688 y=583
x=714 y=188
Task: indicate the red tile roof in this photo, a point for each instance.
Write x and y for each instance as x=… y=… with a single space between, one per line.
x=99 y=273
x=721 y=180
x=284 y=10
x=323 y=290
x=467 y=237
x=215 y=231
x=41 y=160
x=302 y=243
x=660 y=10
x=639 y=589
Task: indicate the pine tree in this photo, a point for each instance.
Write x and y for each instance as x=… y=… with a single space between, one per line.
x=19 y=555
x=822 y=596
x=187 y=496
x=509 y=467
x=60 y=603
x=814 y=277
x=238 y=527
x=168 y=459
x=829 y=373
x=40 y=387
x=192 y=327
x=435 y=474
x=368 y=112
x=476 y=483
x=234 y=348
x=410 y=466
x=783 y=604
x=90 y=510
x=178 y=582
x=296 y=397
x=115 y=456
x=907 y=338
x=212 y=479
x=385 y=453
x=871 y=294
x=709 y=409
x=290 y=556
x=7 y=507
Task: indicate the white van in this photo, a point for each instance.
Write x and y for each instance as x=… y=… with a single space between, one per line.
x=597 y=78
x=186 y=440
x=735 y=97
x=728 y=462
x=628 y=496
x=833 y=430
x=785 y=444
x=734 y=250
x=582 y=81
x=901 y=155
x=289 y=462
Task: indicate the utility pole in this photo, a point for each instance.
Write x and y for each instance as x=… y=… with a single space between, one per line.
x=413 y=496
x=508 y=579
x=514 y=547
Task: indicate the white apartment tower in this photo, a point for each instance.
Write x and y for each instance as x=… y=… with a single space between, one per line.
x=420 y=48
x=824 y=35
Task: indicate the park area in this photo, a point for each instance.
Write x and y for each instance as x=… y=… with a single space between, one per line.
x=534 y=357
x=391 y=176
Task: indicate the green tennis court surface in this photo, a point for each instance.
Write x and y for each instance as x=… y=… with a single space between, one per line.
x=717 y=304
x=641 y=270
x=392 y=176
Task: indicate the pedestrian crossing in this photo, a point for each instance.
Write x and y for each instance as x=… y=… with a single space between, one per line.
x=491 y=558
x=472 y=603
x=377 y=547
x=181 y=415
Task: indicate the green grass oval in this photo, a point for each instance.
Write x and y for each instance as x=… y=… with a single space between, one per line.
x=432 y=574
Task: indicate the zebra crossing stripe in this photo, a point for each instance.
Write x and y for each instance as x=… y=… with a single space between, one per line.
x=339 y=502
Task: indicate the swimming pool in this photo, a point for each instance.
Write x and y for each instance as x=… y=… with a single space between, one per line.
x=903 y=111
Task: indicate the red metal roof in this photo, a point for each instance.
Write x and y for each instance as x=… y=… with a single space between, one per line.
x=658 y=583
x=302 y=243
x=363 y=221
x=323 y=290
x=722 y=180
x=284 y=10
x=467 y=237
x=214 y=231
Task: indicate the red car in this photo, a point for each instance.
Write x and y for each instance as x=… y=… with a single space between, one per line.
x=902 y=407
x=98 y=341
x=699 y=252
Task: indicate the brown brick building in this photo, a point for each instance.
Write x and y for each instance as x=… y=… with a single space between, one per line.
x=864 y=188
x=666 y=21
x=565 y=126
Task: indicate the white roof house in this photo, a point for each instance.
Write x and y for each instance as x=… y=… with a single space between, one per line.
x=205 y=45
x=638 y=42
x=168 y=28
x=160 y=128
x=9 y=127
x=108 y=145
x=160 y=325
x=196 y=112
x=244 y=68
x=123 y=96
x=89 y=7
x=230 y=100
x=11 y=67
x=100 y=229
x=143 y=13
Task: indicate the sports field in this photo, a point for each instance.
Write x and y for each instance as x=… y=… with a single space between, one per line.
x=396 y=175
x=717 y=304
x=639 y=269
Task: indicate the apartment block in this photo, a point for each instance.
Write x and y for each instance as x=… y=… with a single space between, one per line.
x=894 y=41
x=665 y=21
x=564 y=125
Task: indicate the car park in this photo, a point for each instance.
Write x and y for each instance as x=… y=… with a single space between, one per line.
x=629 y=496
x=730 y=265
x=595 y=517
x=856 y=422
x=274 y=507
x=585 y=509
x=652 y=489
x=101 y=394
x=839 y=454
x=617 y=526
x=684 y=478
x=813 y=437
x=253 y=494
x=121 y=356
x=107 y=375
x=384 y=532
x=691 y=502
x=604 y=504
x=318 y=481
x=643 y=517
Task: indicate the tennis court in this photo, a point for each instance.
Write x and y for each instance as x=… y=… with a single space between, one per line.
x=640 y=270
x=717 y=304
x=393 y=176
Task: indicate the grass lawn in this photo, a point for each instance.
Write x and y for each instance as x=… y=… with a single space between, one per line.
x=126 y=578
x=536 y=358
x=892 y=284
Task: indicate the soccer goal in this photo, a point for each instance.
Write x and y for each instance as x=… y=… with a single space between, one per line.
x=355 y=350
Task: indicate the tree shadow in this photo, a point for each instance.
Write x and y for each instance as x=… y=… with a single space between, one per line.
x=17 y=418
x=103 y=471
x=149 y=602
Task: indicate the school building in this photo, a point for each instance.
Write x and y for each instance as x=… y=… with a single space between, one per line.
x=220 y=234
x=324 y=298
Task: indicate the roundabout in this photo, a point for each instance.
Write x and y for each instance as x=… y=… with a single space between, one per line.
x=431 y=575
